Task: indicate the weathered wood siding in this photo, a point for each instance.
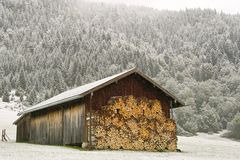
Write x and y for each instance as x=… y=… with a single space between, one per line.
x=61 y=125
x=131 y=85
x=74 y=121
x=23 y=129
x=46 y=127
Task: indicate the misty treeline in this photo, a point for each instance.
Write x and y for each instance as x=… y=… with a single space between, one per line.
x=47 y=47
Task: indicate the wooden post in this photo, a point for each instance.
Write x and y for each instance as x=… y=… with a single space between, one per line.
x=171 y=106
x=85 y=143
x=90 y=120
x=62 y=108
x=30 y=127
x=4 y=136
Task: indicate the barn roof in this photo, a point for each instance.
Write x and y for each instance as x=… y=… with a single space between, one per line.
x=81 y=91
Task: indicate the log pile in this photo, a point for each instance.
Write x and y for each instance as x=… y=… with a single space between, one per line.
x=134 y=124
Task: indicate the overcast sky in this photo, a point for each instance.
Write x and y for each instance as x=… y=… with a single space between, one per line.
x=227 y=6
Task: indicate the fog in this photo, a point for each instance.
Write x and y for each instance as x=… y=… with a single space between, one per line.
x=227 y=6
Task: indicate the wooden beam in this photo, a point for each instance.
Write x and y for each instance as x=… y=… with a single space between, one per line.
x=85 y=137
x=90 y=120
x=62 y=108
x=171 y=106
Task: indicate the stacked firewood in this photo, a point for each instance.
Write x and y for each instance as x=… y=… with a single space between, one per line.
x=134 y=124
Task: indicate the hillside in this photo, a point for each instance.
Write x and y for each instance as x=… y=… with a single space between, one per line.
x=47 y=47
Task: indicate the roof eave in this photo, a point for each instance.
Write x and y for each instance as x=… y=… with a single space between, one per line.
x=51 y=104
x=18 y=119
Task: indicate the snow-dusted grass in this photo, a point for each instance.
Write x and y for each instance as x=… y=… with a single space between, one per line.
x=201 y=147
x=205 y=146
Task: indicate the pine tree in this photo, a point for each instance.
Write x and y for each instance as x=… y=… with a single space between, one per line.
x=2 y=87
x=5 y=96
x=22 y=80
x=1 y=90
x=21 y=98
x=234 y=126
x=72 y=72
x=78 y=81
x=17 y=93
x=32 y=97
x=46 y=96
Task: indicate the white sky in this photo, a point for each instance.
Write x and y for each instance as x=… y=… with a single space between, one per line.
x=227 y=6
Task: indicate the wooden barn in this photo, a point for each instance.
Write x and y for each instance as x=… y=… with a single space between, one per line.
x=124 y=111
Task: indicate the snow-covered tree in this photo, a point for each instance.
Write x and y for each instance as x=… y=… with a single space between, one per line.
x=234 y=126
x=5 y=97
x=22 y=80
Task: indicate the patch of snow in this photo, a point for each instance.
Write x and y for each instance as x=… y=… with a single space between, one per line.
x=14 y=105
x=6 y=122
x=13 y=92
x=8 y=114
x=206 y=146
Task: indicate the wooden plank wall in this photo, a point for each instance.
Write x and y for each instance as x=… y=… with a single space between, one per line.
x=23 y=129
x=74 y=121
x=131 y=85
x=58 y=126
x=46 y=127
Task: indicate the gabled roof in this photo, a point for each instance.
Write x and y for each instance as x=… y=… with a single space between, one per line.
x=81 y=91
